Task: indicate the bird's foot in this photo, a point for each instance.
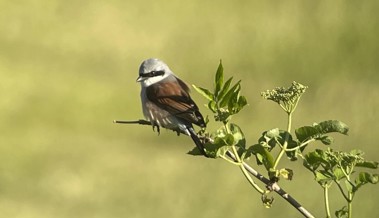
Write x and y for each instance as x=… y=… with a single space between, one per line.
x=155 y=125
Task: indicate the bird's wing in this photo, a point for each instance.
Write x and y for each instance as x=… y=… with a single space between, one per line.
x=173 y=96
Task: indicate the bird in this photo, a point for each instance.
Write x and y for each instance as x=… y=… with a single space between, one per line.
x=166 y=101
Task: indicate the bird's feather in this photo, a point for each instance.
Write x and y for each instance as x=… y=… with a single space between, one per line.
x=173 y=97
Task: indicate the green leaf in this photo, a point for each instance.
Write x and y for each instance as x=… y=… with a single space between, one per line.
x=343 y=212
x=368 y=164
x=204 y=92
x=292 y=155
x=242 y=102
x=229 y=94
x=323 y=177
x=233 y=100
x=239 y=137
x=314 y=159
x=222 y=115
x=306 y=132
x=330 y=126
x=349 y=186
x=262 y=155
x=365 y=177
x=219 y=79
x=222 y=150
x=318 y=131
x=286 y=173
x=327 y=140
x=212 y=106
x=224 y=89
x=212 y=150
x=267 y=139
x=195 y=152
x=229 y=139
x=272 y=133
x=338 y=173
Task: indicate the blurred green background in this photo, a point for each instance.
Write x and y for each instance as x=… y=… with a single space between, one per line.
x=68 y=68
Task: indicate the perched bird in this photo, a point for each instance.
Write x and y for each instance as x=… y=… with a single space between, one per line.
x=166 y=101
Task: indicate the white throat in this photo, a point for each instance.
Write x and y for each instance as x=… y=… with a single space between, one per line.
x=152 y=80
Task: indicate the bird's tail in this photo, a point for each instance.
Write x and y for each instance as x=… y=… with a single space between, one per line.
x=197 y=141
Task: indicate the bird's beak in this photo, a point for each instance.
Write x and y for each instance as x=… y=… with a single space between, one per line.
x=140 y=79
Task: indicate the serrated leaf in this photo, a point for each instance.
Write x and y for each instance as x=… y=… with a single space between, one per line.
x=330 y=126
x=312 y=161
x=319 y=130
x=306 y=132
x=368 y=164
x=271 y=137
x=229 y=94
x=233 y=100
x=204 y=92
x=224 y=89
x=219 y=78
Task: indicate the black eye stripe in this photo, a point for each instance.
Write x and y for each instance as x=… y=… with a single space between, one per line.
x=153 y=73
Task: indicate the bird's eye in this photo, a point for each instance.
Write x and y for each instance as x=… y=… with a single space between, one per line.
x=153 y=73
x=158 y=73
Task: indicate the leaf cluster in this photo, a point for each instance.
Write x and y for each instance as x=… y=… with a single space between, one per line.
x=295 y=146
x=327 y=165
x=335 y=166
x=225 y=100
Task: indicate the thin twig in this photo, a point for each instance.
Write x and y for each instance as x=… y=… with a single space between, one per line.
x=273 y=186
x=141 y=122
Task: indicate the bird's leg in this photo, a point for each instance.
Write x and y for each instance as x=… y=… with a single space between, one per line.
x=158 y=128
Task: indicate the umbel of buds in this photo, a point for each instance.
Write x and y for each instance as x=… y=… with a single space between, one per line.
x=287 y=98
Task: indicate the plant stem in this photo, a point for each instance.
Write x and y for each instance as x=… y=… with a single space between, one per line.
x=240 y=163
x=284 y=148
x=350 y=199
x=301 y=145
x=230 y=161
x=251 y=181
x=350 y=205
x=326 y=200
x=342 y=192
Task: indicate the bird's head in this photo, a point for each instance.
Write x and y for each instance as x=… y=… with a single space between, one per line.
x=152 y=71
